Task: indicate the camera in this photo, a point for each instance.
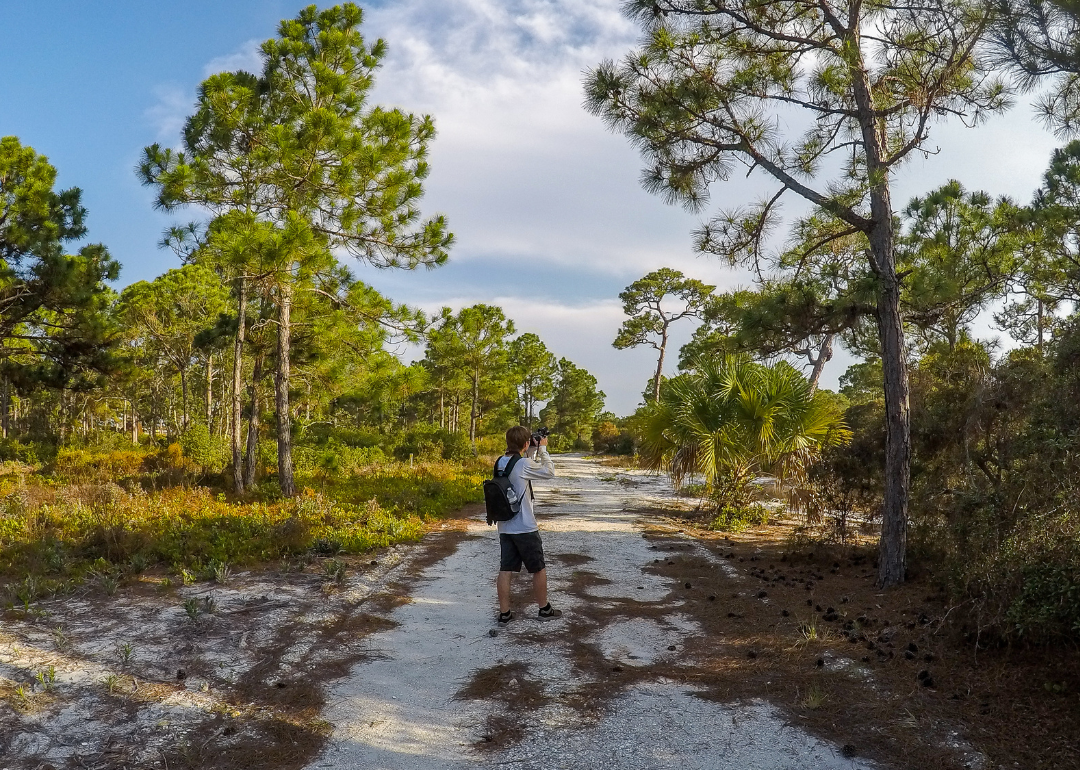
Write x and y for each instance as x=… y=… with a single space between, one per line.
x=538 y=434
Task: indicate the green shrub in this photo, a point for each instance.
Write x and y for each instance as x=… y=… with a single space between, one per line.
x=211 y=453
x=89 y=465
x=352 y=437
x=31 y=453
x=738 y=518
x=429 y=442
x=1029 y=586
x=994 y=516
x=66 y=531
x=693 y=490
x=610 y=439
x=328 y=460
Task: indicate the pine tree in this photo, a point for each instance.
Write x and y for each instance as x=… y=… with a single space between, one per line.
x=474 y=343
x=55 y=326
x=297 y=149
x=169 y=313
x=650 y=319
x=533 y=368
x=704 y=95
x=575 y=407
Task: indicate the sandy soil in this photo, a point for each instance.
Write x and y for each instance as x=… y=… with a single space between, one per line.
x=673 y=651
x=601 y=687
x=209 y=675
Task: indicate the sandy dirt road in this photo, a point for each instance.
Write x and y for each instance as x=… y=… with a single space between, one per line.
x=606 y=686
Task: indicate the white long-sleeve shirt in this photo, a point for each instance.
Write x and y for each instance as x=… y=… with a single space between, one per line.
x=524 y=471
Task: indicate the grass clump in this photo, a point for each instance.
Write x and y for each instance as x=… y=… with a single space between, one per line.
x=732 y=518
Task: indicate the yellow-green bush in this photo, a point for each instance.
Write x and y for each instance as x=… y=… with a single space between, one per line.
x=331 y=459
x=64 y=530
x=87 y=464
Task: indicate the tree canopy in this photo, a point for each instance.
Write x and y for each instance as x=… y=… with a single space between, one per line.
x=54 y=325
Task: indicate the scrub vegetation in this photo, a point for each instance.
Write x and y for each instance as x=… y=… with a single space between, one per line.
x=246 y=418
x=245 y=407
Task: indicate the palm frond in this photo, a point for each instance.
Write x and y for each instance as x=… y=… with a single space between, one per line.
x=732 y=419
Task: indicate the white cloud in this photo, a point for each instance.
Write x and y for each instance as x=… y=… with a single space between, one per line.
x=527 y=176
x=247 y=57
x=519 y=166
x=167 y=115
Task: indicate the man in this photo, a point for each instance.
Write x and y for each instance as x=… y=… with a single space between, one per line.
x=519 y=538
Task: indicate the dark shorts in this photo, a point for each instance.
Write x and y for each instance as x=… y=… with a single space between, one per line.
x=521 y=549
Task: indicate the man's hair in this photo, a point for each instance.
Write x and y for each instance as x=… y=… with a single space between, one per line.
x=517 y=437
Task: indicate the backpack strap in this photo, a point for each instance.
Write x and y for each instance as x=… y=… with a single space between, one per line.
x=509 y=466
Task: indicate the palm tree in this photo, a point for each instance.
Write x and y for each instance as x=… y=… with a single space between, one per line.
x=732 y=419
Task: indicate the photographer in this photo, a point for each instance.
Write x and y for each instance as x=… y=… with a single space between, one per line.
x=519 y=538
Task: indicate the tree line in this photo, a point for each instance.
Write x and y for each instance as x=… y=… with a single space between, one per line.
x=287 y=173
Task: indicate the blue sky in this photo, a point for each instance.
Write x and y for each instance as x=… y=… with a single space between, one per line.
x=550 y=220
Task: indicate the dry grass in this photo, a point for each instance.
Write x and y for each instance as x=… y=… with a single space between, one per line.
x=58 y=534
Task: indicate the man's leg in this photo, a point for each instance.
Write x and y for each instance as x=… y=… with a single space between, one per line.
x=539 y=587
x=502 y=584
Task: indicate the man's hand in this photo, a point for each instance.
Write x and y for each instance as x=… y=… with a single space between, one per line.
x=543 y=441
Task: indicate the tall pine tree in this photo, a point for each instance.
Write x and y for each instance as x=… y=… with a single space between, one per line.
x=298 y=149
x=705 y=96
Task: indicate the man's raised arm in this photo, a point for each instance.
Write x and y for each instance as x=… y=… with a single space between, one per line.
x=540 y=465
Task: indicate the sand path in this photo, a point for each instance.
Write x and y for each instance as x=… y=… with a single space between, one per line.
x=549 y=693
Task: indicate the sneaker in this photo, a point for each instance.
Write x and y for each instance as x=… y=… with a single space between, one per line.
x=506 y=617
x=549 y=613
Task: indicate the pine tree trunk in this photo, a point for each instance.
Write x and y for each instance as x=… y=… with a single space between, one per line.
x=224 y=399
x=237 y=387
x=252 y=460
x=892 y=549
x=5 y=409
x=472 y=410
x=660 y=366
x=825 y=353
x=882 y=237
x=183 y=397
x=62 y=419
x=1039 y=324
x=281 y=392
x=210 y=393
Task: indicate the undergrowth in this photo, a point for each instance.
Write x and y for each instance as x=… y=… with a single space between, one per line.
x=733 y=518
x=54 y=534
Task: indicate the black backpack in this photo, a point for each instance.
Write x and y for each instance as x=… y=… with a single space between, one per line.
x=502 y=500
